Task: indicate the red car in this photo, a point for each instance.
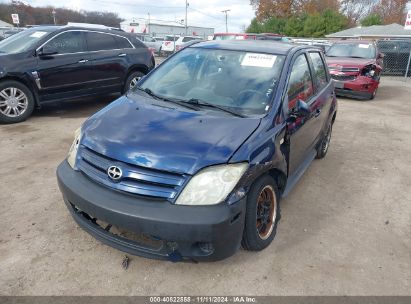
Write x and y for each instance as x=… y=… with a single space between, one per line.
x=355 y=67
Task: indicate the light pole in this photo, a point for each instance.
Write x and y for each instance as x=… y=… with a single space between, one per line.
x=226 y=19
x=54 y=16
x=187 y=4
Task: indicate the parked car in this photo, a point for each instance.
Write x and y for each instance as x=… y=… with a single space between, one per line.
x=12 y=32
x=170 y=46
x=150 y=42
x=356 y=67
x=187 y=44
x=396 y=56
x=271 y=36
x=234 y=36
x=194 y=160
x=50 y=63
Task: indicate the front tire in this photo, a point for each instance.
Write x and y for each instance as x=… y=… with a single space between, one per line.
x=262 y=214
x=373 y=94
x=16 y=102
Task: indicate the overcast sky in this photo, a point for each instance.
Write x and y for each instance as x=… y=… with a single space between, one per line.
x=202 y=13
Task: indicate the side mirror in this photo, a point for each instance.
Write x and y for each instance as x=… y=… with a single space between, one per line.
x=302 y=108
x=47 y=51
x=380 y=56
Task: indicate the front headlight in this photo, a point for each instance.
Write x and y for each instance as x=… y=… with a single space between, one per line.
x=72 y=154
x=211 y=185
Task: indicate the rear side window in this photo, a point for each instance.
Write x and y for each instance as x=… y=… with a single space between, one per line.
x=187 y=39
x=68 y=42
x=101 y=42
x=300 y=85
x=122 y=43
x=320 y=73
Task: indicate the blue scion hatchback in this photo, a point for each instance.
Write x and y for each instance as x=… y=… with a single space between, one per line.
x=192 y=162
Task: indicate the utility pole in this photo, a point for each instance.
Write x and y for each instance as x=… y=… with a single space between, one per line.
x=226 y=19
x=54 y=16
x=187 y=4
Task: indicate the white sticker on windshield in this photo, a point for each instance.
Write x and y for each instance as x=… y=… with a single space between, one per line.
x=364 y=46
x=259 y=60
x=38 y=34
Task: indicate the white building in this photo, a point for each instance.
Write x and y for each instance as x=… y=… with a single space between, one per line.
x=158 y=28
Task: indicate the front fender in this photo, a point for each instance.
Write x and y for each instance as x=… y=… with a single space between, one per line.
x=265 y=151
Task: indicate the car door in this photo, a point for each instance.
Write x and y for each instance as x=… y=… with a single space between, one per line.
x=324 y=93
x=66 y=73
x=110 y=60
x=301 y=130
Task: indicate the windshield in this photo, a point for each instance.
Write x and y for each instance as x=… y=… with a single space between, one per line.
x=241 y=81
x=22 y=41
x=355 y=50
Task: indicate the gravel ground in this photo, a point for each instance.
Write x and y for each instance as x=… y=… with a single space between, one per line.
x=345 y=228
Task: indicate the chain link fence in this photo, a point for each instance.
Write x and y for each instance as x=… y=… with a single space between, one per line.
x=397 y=58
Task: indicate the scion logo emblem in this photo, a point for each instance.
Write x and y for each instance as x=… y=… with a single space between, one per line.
x=114 y=173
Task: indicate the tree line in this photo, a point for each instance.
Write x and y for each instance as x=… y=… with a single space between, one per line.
x=30 y=15
x=317 y=18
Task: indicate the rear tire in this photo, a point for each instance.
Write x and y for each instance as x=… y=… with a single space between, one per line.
x=325 y=143
x=16 y=102
x=132 y=80
x=262 y=214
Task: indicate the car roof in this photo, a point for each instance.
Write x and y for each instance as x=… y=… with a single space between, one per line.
x=51 y=28
x=258 y=46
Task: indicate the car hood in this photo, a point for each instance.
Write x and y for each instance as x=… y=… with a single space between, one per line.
x=164 y=136
x=349 y=62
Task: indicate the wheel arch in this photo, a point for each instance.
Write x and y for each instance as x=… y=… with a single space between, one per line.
x=280 y=178
x=25 y=82
x=137 y=68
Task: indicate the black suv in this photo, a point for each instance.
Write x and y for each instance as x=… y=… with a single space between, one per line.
x=50 y=63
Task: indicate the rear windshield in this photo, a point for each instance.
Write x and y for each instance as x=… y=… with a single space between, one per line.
x=353 y=50
x=171 y=38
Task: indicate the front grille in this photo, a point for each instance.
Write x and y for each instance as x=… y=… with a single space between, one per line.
x=135 y=179
x=343 y=77
x=343 y=69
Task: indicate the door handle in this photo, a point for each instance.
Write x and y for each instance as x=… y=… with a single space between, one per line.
x=317 y=112
x=122 y=55
x=83 y=61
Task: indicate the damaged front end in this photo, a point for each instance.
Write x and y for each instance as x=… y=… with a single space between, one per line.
x=356 y=82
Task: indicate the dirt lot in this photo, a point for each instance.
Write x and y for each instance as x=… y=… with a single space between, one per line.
x=345 y=229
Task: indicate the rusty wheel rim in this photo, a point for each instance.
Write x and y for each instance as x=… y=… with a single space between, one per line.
x=266 y=212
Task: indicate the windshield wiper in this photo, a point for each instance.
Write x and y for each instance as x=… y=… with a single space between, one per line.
x=152 y=94
x=199 y=102
x=148 y=92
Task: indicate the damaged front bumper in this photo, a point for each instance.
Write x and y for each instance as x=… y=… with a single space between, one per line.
x=176 y=233
x=355 y=86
